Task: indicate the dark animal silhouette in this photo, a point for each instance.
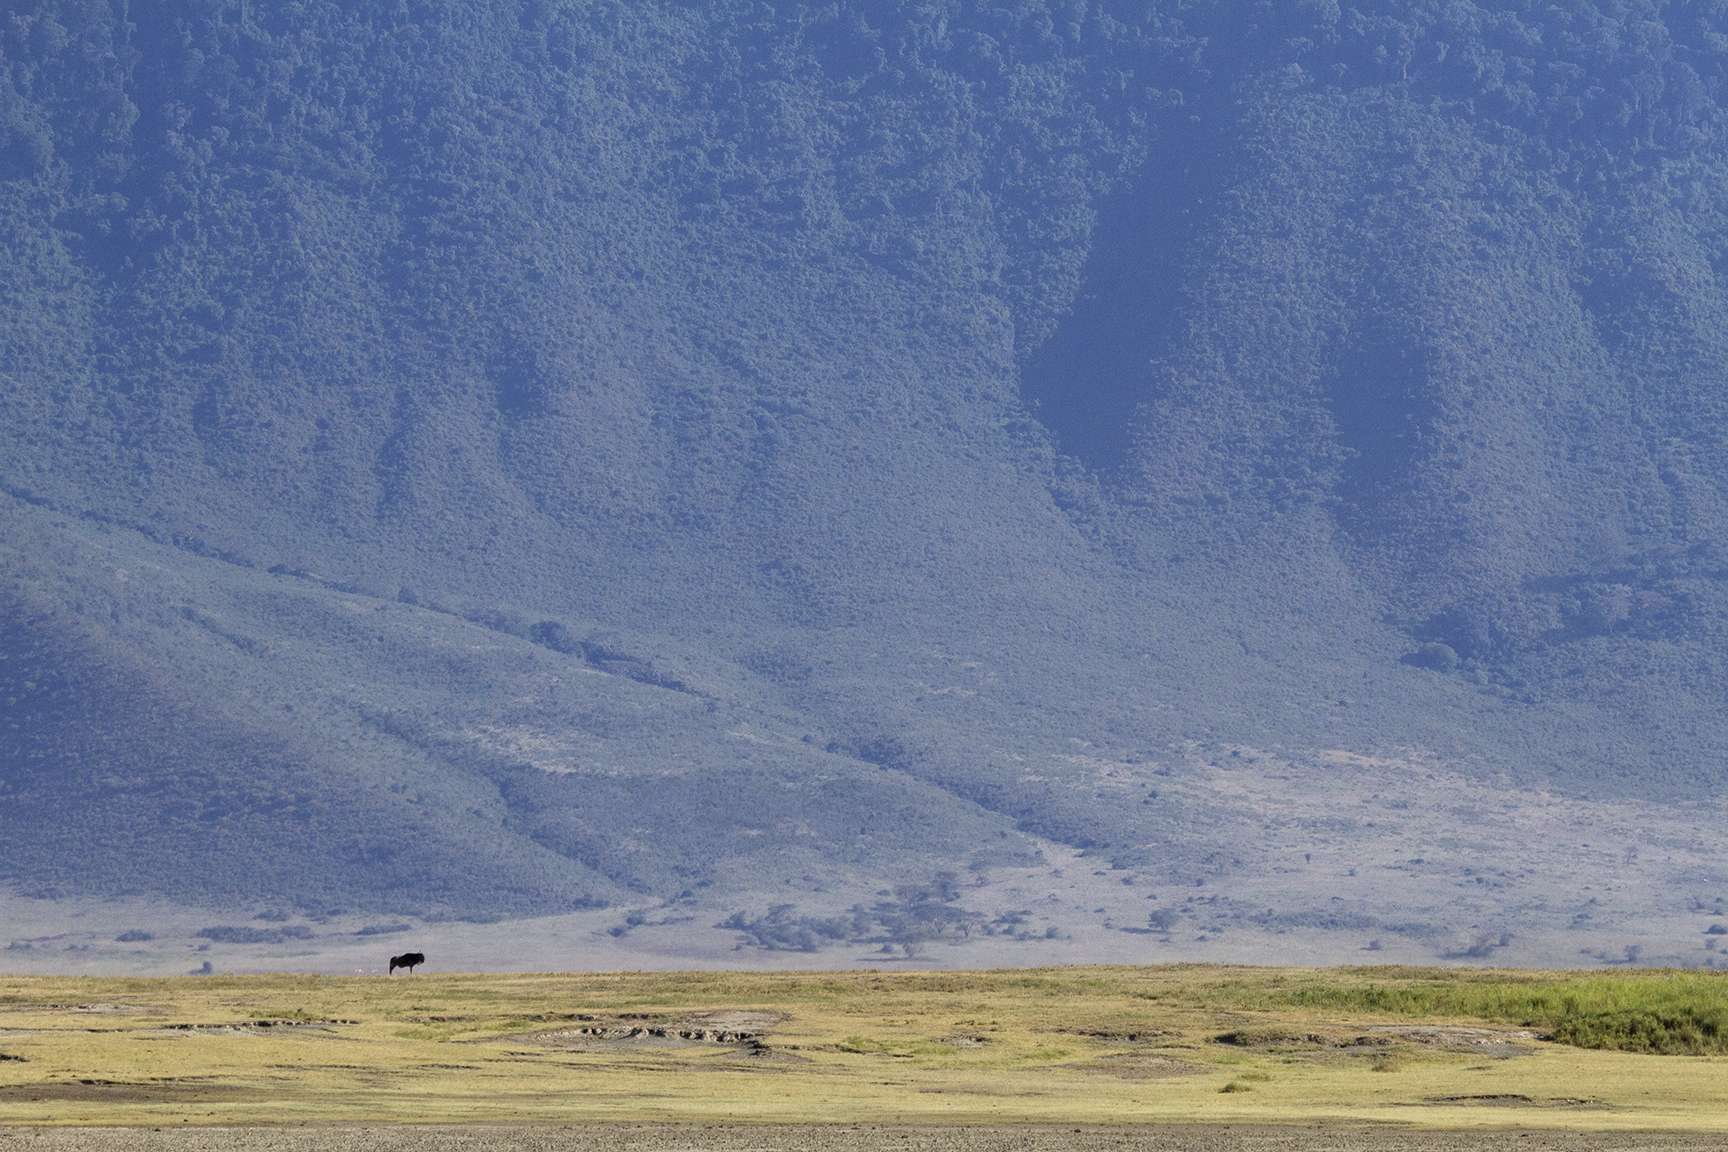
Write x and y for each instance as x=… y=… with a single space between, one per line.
x=406 y=960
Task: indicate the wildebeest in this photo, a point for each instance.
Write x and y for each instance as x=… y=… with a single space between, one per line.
x=406 y=960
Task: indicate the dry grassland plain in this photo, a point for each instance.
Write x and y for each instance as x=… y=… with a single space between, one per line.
x=1416 y=1049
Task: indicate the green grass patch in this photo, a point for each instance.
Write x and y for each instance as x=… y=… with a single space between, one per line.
x=1687 y=1032
x=1659 y=1012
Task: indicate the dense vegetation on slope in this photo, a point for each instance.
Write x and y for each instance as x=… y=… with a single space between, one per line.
x=834 y=412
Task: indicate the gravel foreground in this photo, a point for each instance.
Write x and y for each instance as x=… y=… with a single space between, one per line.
x=834 y=1138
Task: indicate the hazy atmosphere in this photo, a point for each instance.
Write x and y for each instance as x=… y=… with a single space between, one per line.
x=826 y=485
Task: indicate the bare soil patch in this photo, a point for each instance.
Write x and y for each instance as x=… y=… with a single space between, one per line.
x=113 y=1092
x=1501 y=1042
x=100 y=1009
x=1283 y=1038
x=835 y=1138
x=1452 y=1038
x=730 y=1027
x=1109 y=1037
x=1136 y=1066
x=1514 y=1100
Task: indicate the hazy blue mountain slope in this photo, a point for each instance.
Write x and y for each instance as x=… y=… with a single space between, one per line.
x=233 y=734
x=128 y=773
x=1391 y=347
x=871 y=417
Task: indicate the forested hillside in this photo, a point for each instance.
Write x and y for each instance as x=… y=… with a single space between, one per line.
x=498 y=457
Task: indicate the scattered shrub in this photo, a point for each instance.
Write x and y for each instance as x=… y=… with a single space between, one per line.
x=234 y=934
x=1434 y=655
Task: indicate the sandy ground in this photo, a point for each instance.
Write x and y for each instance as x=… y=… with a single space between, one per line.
x=815 y=1138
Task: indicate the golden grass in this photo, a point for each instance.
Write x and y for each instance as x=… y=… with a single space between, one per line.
x=1053 y=1045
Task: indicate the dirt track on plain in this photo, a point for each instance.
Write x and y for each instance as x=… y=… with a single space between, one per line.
x=834 y=1138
